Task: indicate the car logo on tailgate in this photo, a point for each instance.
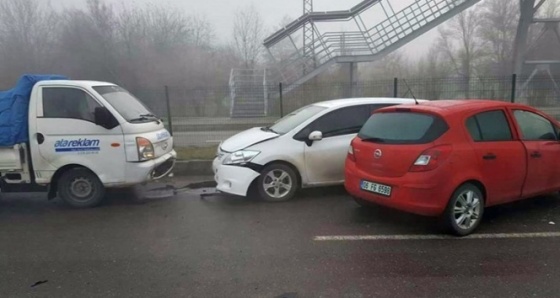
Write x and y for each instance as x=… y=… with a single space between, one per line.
x=377 y=153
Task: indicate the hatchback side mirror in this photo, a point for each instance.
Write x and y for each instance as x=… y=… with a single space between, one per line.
x=104 y=118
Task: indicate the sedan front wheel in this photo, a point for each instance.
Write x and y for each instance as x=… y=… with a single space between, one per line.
x=277 y=183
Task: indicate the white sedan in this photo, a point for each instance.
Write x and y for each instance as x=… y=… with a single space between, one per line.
x=306 y=148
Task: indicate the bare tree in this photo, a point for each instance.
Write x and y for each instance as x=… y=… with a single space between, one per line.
x=202 y=31
x=28 y=37
x=166 y=27
x=431 y=72
x=248 y=35
x=460 y=44
x=87 y=47
x=433 y=65
x=394 y=65
x=499 y=19
x=140 y=47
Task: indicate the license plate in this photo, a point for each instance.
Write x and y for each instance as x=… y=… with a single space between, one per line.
x=376 y=188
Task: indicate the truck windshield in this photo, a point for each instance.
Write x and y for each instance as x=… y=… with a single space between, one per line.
x=126 y=104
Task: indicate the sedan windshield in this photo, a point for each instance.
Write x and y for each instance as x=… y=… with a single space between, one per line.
x=295 y=118
x=125 y=103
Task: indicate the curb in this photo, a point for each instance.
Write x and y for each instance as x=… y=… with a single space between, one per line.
x=193 y=168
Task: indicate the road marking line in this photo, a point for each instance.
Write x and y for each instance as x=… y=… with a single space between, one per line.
x=212 y=141
x=437 y=237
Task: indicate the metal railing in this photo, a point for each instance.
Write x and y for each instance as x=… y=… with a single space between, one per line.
x=367 y=44
x=201 y=117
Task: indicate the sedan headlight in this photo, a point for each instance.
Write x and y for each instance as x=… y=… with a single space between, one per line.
x=218 y=150
x=145 y=149
x=240 y=157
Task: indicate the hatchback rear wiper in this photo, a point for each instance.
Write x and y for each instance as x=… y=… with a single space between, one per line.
x=374 y=140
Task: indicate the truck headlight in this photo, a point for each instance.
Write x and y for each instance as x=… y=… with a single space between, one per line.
x=240 y=157
x=145 y=149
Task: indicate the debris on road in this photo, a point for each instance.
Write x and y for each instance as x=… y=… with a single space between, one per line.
x=39 y=283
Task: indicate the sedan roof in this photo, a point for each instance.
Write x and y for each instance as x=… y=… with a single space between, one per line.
x=336 y=103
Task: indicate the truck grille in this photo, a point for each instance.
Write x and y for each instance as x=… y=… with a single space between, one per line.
x=163 y=169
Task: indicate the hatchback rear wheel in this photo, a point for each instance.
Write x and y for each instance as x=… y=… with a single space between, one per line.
x=465 y=209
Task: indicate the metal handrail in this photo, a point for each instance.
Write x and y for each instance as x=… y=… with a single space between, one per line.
x=370 y=42
x=318 y=17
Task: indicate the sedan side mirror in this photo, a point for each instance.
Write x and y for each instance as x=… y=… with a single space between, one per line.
x=104 y=118
x=316 y=136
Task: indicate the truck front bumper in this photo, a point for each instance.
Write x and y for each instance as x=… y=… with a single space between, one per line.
x=141 y=172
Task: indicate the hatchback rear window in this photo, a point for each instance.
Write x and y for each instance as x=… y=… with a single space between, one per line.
x=403 y=128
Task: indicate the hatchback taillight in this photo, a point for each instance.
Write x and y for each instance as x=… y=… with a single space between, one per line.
x=431 y=158
x=351 y=153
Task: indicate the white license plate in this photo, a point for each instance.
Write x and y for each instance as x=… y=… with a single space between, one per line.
x=376 y=188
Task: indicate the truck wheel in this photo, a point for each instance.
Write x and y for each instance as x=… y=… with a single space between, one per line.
x=80 y=188
x=277 y=183
x=465 y=209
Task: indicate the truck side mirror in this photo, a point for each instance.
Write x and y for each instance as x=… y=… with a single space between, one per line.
x=104 y=118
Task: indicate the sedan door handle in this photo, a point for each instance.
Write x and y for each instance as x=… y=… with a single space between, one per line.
x=536 y=154
x=489 y=156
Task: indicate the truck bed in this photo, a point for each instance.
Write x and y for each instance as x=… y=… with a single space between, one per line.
x=12 y=158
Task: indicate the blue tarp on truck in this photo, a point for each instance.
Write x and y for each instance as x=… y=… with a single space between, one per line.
x=14 y=109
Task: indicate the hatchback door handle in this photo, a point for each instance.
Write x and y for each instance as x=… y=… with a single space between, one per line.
x=489 y=156
x=536 y=154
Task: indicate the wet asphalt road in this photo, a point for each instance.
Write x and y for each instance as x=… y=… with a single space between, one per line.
x=234 y=247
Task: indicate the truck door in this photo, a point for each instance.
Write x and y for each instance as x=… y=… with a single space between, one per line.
x=543 y=152
x=66 y=133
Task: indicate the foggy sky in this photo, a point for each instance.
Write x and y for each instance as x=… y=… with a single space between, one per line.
x=221 y=14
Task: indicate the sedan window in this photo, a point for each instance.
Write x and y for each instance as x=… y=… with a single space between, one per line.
x=343 y=121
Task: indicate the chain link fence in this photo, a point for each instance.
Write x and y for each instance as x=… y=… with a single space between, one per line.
x=203 y=117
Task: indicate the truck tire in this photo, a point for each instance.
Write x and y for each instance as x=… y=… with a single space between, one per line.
x=80 y=188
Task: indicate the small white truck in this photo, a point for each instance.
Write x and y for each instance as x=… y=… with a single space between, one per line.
x=75 y=139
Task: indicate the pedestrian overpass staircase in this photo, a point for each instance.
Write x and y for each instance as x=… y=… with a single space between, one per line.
x=298 y=61
x=248 y=93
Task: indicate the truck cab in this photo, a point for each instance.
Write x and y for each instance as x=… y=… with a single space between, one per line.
x=85 y=137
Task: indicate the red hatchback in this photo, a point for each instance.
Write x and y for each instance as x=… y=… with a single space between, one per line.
x=453 y=158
